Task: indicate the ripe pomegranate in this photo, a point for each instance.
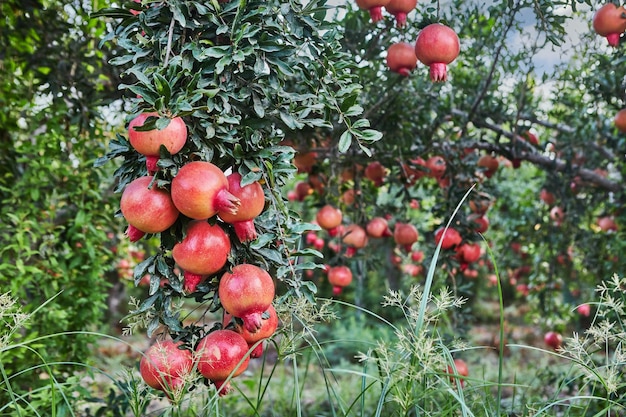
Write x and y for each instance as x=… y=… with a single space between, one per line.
x=547 y=197
x=149 y=142
x=607 y=223
x=375 y=172
x=436 y=46
x=305 y=161
x=247 y=292
x=375 y=8
x=557 y=215
x=620 y=120
x=401 y=58
x=461 y=369
x=412 y=269
x=146 y=209
x=584 y=310
x=436 y=166
x=164 y=365
x=405 y=235
x=553 y=339
x=329 y=218
x=200 y=190
x=302 y=190
x=417 y=256
x=252 y=203
x=610 y=21
x=481 y=222
x=530 y=137
x=451 y=237
x=268 y=328
x=221 y=355
x=339 y=277
x=399 y=9
x=355 y=237
x=203 y=251
x=468 y=252
x=489 y=163
x=378 y=227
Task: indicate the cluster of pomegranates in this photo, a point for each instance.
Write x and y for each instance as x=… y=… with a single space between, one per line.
x=436 y=46
x=211 y=206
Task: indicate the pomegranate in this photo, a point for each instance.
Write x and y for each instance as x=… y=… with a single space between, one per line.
x=436 y=46
x=329 y=218
x=252 y=203
x=584 y=310
x=399 y=9
x=203 y=251
x=436 y=166
x=221 y=355
x=247 y=292
x=417 y=256
x=530 y=137
x=146 y=209
x=553 y=339
x=461 y=369
x=620 y=120
x=481 y=222
x=610 y=21
x=305 y=161
x=148 y=143
x=355 y=237
x=375 y=8
x=489 y=163
x=607 y=223
x=451 y=237
x=200 y=190
x=268 y=328
x=468 y=252
x=547 y=197
x=339 y=277
x=405 y=235
x=557 y=214
x=375 y=172
x=412 y=269
x=302 y=190
x=401 y=58
x=165 y=365
x=378 y=227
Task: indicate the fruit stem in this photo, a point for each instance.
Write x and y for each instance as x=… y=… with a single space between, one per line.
x=438 y=72
x=225 y=201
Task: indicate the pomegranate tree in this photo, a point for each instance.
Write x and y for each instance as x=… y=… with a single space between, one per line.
x=147 y=208
x=252 y=203
x=202 y=252
x=247 y=292
x=401 y=58
x=221 y=355
x=610 y=21
x=200 y=191
x=436 y=46
x=399 y=9
x=149 y=142
x=375 y=8
x=165 y=365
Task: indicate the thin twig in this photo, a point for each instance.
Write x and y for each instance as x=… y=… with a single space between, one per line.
x=170 y=35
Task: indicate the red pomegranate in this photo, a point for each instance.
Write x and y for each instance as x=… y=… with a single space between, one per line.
x=203 y=251
x=451 y=237
x=339 y=277
x=329 y=218
x=247 y=293
x=610 y=21
x=620 y=120
x=481 y=222
x=200 y=190
x=268 y=328
x=547 y=197
x=607 y=224
x=436 y=166
x=401 y=58
x=146 y=209
x=557 y=214
x=489 y=164
x=553 y=339
x=305 y=161
x=355 y=237
x=378 y=227
x=405 y=235
x=399 y=9
x=221 y=355
x=252 y=203
x=375 y=172
x=461 y=369
x=375 y=8
x=149 y=142
x=436 y=46
x=164 y=365
x=468 y=252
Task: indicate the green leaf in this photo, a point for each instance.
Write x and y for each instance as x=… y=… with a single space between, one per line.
x=344 y=141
